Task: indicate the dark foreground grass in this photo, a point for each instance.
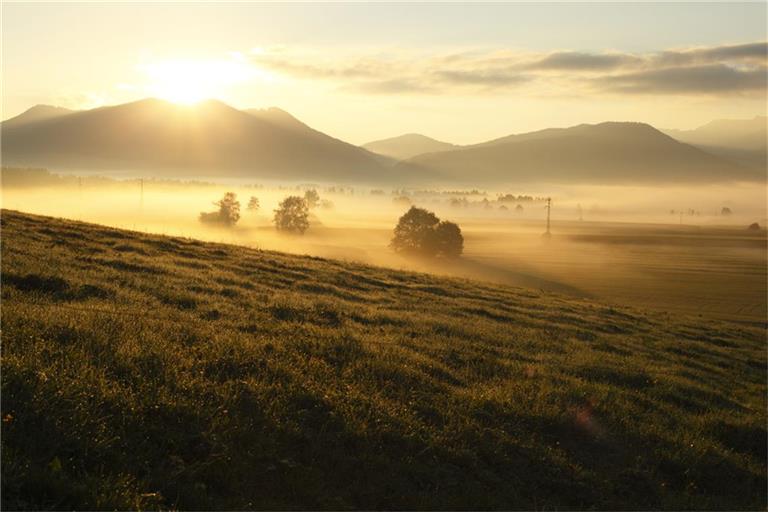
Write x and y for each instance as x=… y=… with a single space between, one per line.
x=143 y=371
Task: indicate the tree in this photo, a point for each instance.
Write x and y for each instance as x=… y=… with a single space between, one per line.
x=228 y=213
x=726 y=211
x=292 y=215
x=253 y=204
x=312 y=198
x=450 y=242
x=420 y=232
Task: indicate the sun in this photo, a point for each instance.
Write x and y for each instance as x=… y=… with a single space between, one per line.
x=186 y=81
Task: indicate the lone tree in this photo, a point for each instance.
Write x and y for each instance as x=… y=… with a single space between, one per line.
x=450 y=242
x=420 y=232
x=228 y=213
x=312 y=198
x=292 y=215
x=253 y=204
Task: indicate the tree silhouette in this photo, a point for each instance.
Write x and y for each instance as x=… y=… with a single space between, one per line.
x=420 y=232
x=228 y=213
x=253 y=204
x=312 y=198
x=450 y=242
x=292 y=215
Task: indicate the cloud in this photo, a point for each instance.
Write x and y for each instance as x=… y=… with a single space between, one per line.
x=707 y=79
x=577 y=61
x=724 y=69
x=483 y=77
x=751 y=52
x=395 y=86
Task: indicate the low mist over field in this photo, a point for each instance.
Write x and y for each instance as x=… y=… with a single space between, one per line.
x=611 y=242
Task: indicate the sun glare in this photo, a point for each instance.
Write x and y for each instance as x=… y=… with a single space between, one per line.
x=190 y=81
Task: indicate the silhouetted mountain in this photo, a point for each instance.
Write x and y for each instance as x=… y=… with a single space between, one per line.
x=744 y=140
x=211 y=139
x=408 y=146
x=37 y=113
x=601 y=153
x=279 y=117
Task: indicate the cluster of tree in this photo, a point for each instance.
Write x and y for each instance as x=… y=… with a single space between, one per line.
x=512 y=198
x=430 y=193
x=339 y=190
x=292 y=215
x=421 y=232
x=689 y=211
x=462 y=202
x=228 y=212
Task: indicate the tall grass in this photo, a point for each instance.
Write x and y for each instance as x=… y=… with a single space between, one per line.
x=141 y=371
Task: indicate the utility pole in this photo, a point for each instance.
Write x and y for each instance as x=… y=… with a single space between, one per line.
x=581 y=216
x=547 y=234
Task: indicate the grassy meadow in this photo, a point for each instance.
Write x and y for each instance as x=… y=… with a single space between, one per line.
x=155 y=372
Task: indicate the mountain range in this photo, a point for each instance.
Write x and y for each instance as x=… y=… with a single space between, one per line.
x=155 y=137
x=208 y=139
x=612 y=152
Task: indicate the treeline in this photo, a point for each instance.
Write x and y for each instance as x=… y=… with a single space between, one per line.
x=20 y=177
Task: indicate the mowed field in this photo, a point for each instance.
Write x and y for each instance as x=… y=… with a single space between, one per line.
x=143 y=371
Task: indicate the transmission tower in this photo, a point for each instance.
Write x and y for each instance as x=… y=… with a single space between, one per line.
x=548 y=206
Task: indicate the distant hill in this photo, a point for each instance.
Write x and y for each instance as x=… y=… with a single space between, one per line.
x=211 y=139
x=602 y=153
x=408 y=146
x=745 y=140
x=37 y=113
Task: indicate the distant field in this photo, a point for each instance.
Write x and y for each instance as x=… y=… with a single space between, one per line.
x=142 y=371
x=709 y=271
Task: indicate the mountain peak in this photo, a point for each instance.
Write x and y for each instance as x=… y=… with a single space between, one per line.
x=38 y=113
x=408 y=146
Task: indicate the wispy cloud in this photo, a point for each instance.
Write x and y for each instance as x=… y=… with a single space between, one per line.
x=725 y=69
x=712 y=78
x=578 y=61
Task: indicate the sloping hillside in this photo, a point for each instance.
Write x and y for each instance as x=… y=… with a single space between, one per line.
x=408 y=146
x=37 y=113
x=602 y=153
x=143 y=371
x=210 y=138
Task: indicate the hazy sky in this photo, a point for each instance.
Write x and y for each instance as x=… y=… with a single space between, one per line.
x=462 y=72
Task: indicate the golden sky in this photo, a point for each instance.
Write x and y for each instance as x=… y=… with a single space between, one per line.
x=462 y=73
